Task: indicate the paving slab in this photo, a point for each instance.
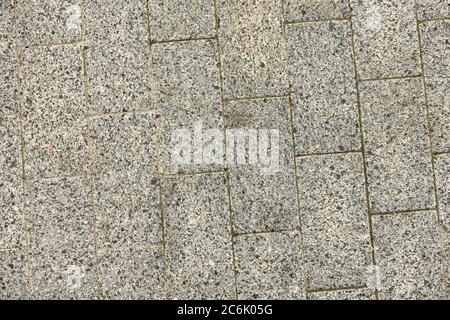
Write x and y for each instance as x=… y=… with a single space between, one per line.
x=397 y=145
x=60 y=224
x=198 y=237
x=180 y=19
x=132 y=274
x=311 y=10
x=11 y=216
x=408 y=257
x=334 y=219
x=124 y=164
x=252 y=48
x=323 y=87
x=432 y=9
x=435 y=37
x=439 y=112
x=263 y=196
x=48 y=22
x=386 y=39
x=118 y=77
x=8 y=80
x=14 y=276
x=53 y=111
x=185 y=88
x=442 y=170
x=6 y=20
x=349 y=294
x=269 y=266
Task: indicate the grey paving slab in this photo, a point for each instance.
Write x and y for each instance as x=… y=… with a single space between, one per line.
x=179 y=19
x=334 y=217
x=263 y=193
x=252 y=48
x=116 y=21
x=386 y=39
x=310 y=10
x=198 y=237
x=185 y=84
x=118 y=77
x=323 y=87
x=6 y=20
x=125 y=180
x=349 y=294
x=269 y=266
x=439 y=112
x=13 y=275
x=407 y=254
x=132 y=273
x=435 y=37
x=432 y=9
x=397 y=145
x=48 y=22
x=11 y=215
x=53 y=110
x=442 y=171
x=60 y=224
x=8 y=80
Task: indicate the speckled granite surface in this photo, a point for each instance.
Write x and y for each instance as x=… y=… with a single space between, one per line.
x=224 y=149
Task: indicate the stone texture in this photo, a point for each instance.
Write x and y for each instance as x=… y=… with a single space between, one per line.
x=269 y=266
x=60 y=223
x=252 y=46
x=386 y=40
x=310 y=10
x=435 y=37
x=323 y=87
x=349 y=294
x=13 y=275
x=180 y=19
x=397 y=145
x=132 y=274
x=334 y=220
x=11 y=217
x=263 y=196
x=198 y=236
x=442 y=169
x=35 y=19
x=116 y=21
x=407 y=253
x=185 y=88
x=6 y=20
x=118 y=77
x=439 y=112
x=8 y=81
x=433 y=9
x=53 y=111
x=125 y=179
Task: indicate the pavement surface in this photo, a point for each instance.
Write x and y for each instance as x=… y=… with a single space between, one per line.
x=223 y=149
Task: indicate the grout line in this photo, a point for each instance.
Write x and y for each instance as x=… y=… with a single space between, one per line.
x=402 y=212
x=431 y=20
x=90 y=159
x=428 y=119
x=227 y=173
x=363 y=149
x=256 y=97
x=327 y=153
x=444 y=153
x=27 y=246
x=152 y=42
x=390 y=78
x=338 y=289
x=296 y=177
x=262 y=232
x=287 y=22
x=181 y=174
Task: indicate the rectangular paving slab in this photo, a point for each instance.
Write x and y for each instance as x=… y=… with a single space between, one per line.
x=439 y=112
x=263 y=193
x=435 y=48
x=53 y=111
x=397 y=145
x=124 y=164
x=61 y=232
x=442 y=169
x=269 y=266
x=386 y=39
x=432 y=9
x=14 y=275
x=8 y=80
x=310 y=10
x=334 y=219
x=6 y=20
x=323 y=87
x=408 y=257
x=252 y=48
x=198 y=237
